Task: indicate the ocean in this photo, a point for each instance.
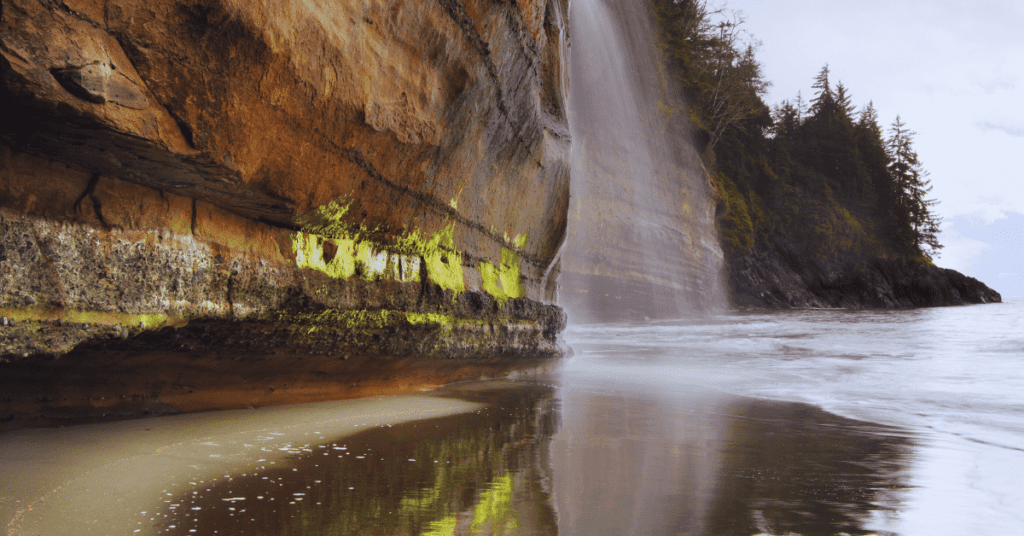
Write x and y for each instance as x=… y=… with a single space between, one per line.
x=920 y=411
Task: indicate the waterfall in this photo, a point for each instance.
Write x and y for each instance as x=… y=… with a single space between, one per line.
x=641 y=240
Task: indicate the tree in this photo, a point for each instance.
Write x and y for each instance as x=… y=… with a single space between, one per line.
x=844 y=100
x=786 y=119
x=716 y=61
x=824 y=102
x=829 y=137
x=917 y=227
x=801 y=106
x=872 y=147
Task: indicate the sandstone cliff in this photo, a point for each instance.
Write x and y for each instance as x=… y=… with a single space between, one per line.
x=275 y=180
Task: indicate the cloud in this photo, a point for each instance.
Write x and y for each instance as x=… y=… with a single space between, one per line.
x=1015 y=131
x=959 y=252
x=997 y=84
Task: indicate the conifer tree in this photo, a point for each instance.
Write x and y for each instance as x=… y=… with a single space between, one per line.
x=831 y=147
x=717 y=62
x=872 y=147
x=786 y=119
x=917 y=227
x=801 y=106
x=844 y=100
x=868 y=120
x=824 y=101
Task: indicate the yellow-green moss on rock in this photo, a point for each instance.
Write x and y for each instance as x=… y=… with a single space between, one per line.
x=735 y=227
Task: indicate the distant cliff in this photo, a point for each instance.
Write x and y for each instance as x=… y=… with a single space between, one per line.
x=326 y=189
x=783 y=278
x=818 y=206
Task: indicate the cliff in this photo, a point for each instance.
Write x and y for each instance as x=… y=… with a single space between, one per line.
x=781 y=278
x=226 y=203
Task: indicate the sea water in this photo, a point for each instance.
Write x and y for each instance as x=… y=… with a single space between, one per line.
x=929 y=427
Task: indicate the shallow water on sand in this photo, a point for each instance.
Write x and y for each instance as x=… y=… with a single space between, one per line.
x=810 y=422
x=945 y=387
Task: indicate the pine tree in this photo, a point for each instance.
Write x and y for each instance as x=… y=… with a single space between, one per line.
x=786 y=119
x=824 y=101
x=844 y=100
x=830 y=137
x=917 y=227
x=872 y=147
x=868 y=120
x=801 y=107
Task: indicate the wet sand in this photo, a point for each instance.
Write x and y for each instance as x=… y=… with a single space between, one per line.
x=692 y=461
x=593 y=455
x=97 y=479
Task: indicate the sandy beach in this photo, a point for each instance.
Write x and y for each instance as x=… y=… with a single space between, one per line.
x=103 y=478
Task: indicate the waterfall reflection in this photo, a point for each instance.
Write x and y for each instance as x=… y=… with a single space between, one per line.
x=699 y=463
x=609 y=461
x=479 y=473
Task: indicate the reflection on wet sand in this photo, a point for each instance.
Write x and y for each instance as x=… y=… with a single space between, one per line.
x=476 y=473
x=608 y=463
x=792 y=468
x=698 y=463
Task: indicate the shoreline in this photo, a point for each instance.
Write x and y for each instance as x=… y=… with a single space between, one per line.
x=101 y=385
x=96 y=479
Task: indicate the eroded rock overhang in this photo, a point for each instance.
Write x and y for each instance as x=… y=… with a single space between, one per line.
x=345 y=179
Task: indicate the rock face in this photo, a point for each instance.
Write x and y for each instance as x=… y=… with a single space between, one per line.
x=327 y=176
x=769 y=279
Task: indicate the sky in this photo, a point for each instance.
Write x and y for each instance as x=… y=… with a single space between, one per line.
x=954 y=73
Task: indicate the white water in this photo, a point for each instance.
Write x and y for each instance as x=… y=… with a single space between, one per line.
x=641 y=238
x=951 y=380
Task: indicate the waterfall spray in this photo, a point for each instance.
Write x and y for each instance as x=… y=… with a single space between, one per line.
x=641 y=238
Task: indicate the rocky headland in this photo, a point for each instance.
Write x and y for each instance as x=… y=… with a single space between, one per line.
x=782 y=278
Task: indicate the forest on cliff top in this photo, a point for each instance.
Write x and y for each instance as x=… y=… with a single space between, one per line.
x=815 y=178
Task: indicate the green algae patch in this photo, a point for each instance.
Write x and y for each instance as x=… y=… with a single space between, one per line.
x=511 y=275
x=444 y=527
x=330 y=221
x=329 y=244
x=443 y=261
x=336 y=258
x=371 y=263
x=735 y=227
x=492 y=282
x=506 y=281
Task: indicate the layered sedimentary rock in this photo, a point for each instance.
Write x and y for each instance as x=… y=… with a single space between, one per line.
x=276 y=179
x=642 y=240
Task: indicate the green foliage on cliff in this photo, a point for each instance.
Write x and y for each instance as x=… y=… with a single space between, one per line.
x=815 y=178
x=736 y=229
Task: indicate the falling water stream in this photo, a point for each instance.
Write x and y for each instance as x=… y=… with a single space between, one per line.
x=641 y=240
